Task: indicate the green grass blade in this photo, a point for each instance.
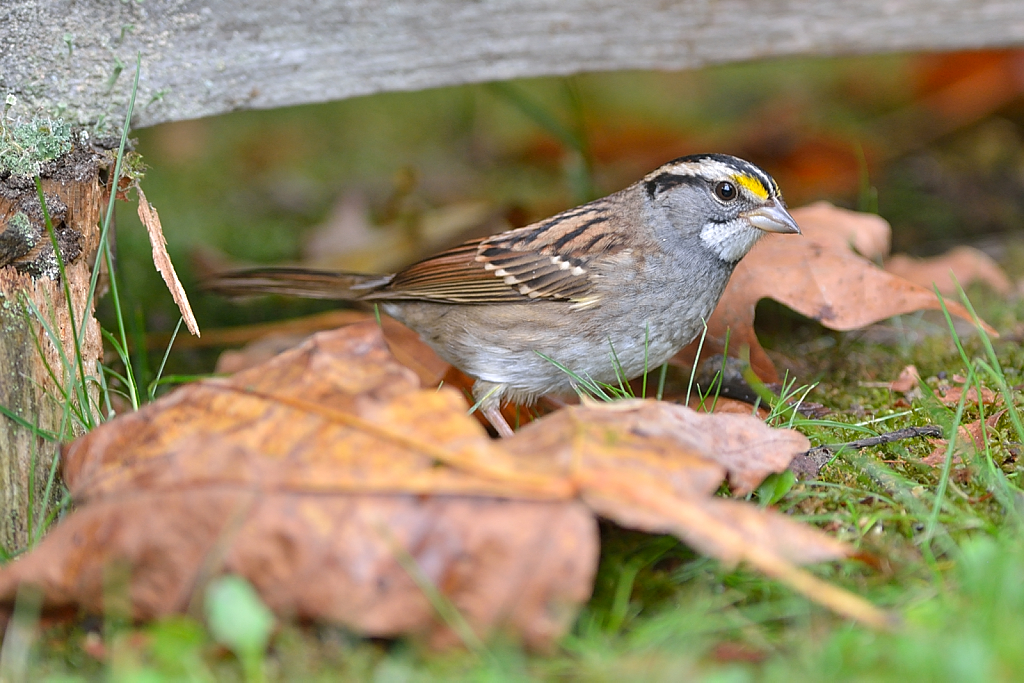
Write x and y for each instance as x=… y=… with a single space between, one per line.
x=163 y=363
x=25 y=424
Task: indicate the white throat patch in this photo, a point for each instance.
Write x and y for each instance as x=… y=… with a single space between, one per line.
x=730 y=241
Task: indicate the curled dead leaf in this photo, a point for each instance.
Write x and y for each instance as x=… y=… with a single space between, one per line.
x=865 y=233
x=324 y=473
x=908 y=379
x=971 y=435
x=256 y=352
x=952 y=396
x=964 y=265
x=317 y=494
x=722 y=404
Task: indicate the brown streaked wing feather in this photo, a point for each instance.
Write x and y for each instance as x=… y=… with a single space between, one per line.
x=547 y=260
x=453 y=276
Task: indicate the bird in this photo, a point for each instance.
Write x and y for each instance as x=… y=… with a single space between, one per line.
x=600 y=292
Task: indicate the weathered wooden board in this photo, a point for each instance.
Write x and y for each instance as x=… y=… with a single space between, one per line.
x=202 y=58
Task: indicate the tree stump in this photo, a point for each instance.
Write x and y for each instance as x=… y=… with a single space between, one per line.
x=38 y=363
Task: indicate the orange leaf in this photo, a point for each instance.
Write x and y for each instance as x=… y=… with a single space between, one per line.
x=964 y=264
x=908 y=379
x=971 y=435
x=325 y=473
x=951 y=396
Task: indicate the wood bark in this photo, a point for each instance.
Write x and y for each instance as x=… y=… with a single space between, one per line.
x=34 y=368
x=201 y=58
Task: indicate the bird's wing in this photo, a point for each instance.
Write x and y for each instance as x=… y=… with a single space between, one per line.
x=549 y=260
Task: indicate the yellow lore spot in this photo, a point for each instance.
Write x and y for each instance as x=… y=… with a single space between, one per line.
x=752 y=185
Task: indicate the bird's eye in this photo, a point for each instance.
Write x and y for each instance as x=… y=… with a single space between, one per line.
x=725 y=191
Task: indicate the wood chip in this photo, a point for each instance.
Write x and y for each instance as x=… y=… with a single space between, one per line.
x=162 y=260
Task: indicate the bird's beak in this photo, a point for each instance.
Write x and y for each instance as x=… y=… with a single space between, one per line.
x=772 y=218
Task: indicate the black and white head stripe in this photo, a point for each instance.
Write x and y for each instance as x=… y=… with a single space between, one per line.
x=712 y=168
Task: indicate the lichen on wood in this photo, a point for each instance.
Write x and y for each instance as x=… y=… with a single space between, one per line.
x=38 y=353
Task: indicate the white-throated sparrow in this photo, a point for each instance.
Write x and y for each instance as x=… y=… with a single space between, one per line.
x=617 y=285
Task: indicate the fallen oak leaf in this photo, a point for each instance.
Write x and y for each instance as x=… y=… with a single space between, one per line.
x=964 y=265
x=224 y=463
x=867 y=234
x=522 y=566
x=972 y=435
x=726 y=405
x=651 y=490
x=908 y=379
x=256 y=352
x=728 y=439
x=405 y=344
x=938 y=455
x=731 y=531
x=283 y=422
x=817 y=277
x=952 y=395
x=269 y=339
x=296 y=466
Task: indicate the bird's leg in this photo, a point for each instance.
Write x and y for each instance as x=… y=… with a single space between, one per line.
x=488 y=401
x=498 y=421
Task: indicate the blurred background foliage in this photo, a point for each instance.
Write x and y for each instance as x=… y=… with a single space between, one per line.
x=931 y=142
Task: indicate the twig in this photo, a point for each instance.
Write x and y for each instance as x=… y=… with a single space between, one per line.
x=887 y=437
x=809 y=463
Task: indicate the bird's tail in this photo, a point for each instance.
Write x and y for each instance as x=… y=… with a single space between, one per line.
x=300 y=282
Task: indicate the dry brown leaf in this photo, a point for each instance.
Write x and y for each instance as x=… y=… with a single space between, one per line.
x=725 y=405
x=817 y=276
x=651 y=465
x=162 y=260
x=951 y=396
x=907 y=380
x=265 y=340
x=865 y=233
x=622 y=453
x=523 y=566
x=938 y=455
x=309 y=492
x=337 y=414
x=406 y=345
x=966 y=264
x=970 y=435
x=256 y=352
x=321 y=473
x=410 y=350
